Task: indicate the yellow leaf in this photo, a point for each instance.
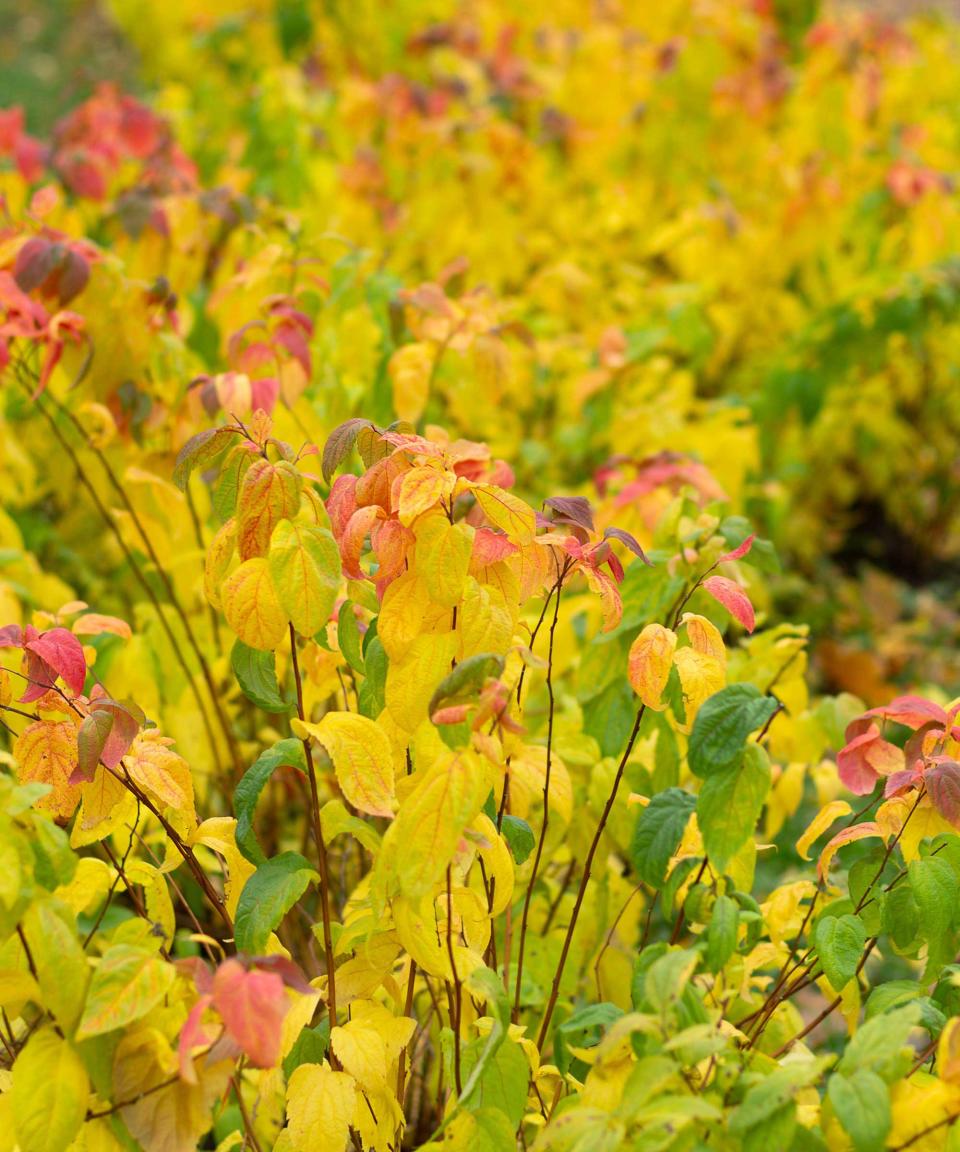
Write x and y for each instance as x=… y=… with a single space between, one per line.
x=410 y=369
x=219 y=833
x=700 y=677
x=421 y=489
x=649 y=664
x=160 y=772
x=362 y=757
x=820 y=823
x=252 y=607
x=506 y=511
x=442 y=558
x=217 y=561
x=948 y=1052
x=407 y=612
x=412 y=681
x=704 y=636
x=485 y=622
x=320 y=1106
x=925 y=821
x=49 y=1095
x=423 y=838
x=46 y=752
x=269 y=493
x=105 y=805
x=170 y=1119
x=362 y=1053
x=919 y=1103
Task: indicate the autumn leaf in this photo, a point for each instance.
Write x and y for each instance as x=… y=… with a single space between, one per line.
x=649 y=664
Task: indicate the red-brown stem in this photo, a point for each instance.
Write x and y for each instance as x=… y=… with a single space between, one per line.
x=585 y=879
x=318 y=839
x=457 y=989
x=541 y=840
x=407 y=1011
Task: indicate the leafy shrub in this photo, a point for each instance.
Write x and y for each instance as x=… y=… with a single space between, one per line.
x=405 y=746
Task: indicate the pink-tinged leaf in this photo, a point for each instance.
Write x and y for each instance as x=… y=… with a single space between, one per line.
x=193 y=1035
x=740 y=551
x=943 y=787
x=126 y=720
x=847 y=836
x=616 y=568
x=91 y=738
x=571 y=510
x=252 y=1005
x=351 y=546
x=901 y=781
x=628 y=541
x=610 y=600
x=11 y=636
x=866 y=757
x=63 y=652
x=455 y=714
x=733 y=598
x=342 y=503
x=93 y=624
x=490 y=546
x=911 y=711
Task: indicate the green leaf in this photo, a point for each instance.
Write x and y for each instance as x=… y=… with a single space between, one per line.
x=722 y=932
x=247 y=793
x=658 y=831
x=519 y=837
x=502 y=1085
x=126 y=984
x=861 y=1102
x=256 y=674
x=466 y=680
x=50 y=1089
x=267 y=897
x=200 y=450
x=723 y=724
x=305 y=566
x=881 y=1044
x=372 y=689
x=934 y=888
x=840 y=941
x=61 y=965
x=730 y=803
x=348 y=636
x=310 y=1047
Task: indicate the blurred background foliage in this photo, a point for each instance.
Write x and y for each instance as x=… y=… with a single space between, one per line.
x=728 y=229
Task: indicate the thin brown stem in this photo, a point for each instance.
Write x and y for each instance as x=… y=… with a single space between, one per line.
x=541 y=840
x=585 y=879
x=318 y=840
x=457 y=1012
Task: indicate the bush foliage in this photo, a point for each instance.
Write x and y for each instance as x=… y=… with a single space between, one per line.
x=408 y=736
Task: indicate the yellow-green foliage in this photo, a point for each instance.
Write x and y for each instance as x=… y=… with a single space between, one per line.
x=402 y=746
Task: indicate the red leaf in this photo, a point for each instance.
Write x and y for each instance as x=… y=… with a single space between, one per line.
x=63 y=652
x=733 y=598
x=740 y=551
x=911 y=711
x=252 y=1005
x=193 y=1035
x=629 y=541
x=943 y=785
